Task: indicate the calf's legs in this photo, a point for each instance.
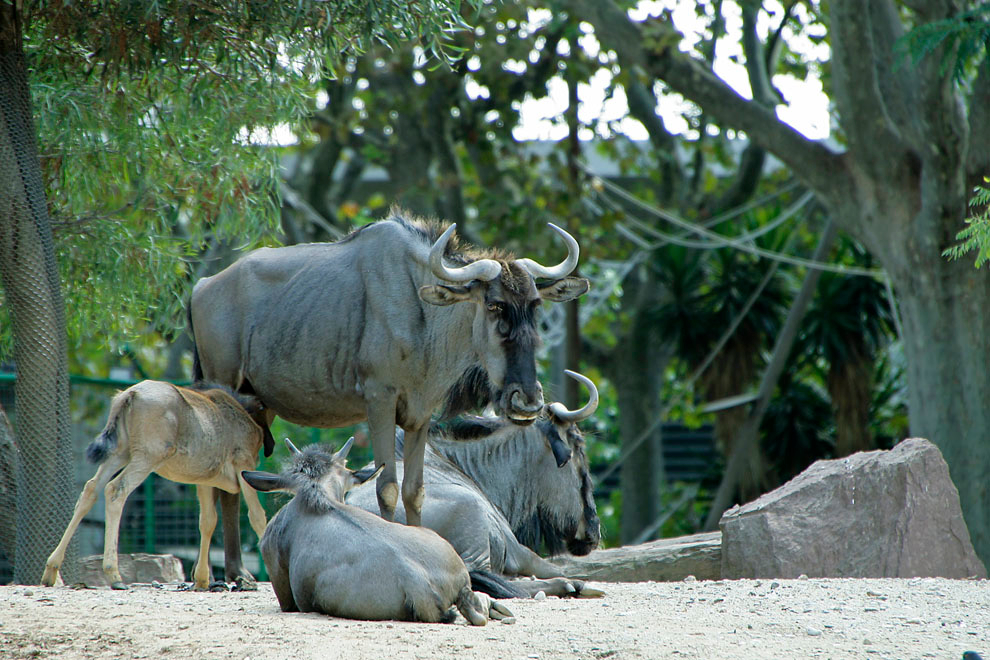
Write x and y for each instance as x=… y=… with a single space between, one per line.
x=85 y=502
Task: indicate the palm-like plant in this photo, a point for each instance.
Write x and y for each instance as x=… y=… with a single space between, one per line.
x=709 y=292
x=849 y=321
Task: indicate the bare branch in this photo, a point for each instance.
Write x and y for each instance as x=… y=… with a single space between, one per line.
x=867 y=123
x=820 y=167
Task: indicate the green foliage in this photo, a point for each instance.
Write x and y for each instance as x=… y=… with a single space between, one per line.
x=976 y=236
x=964 y=39
x=148 y=115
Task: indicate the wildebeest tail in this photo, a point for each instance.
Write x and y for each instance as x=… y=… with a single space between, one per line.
x=494 y=585
x=197 y=367
x=106 y=443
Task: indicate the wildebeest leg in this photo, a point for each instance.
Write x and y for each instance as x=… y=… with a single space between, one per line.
x=87 y=498
x=256 y=513
x=116 y=493
x=202 y=574
x=234 y=571
x=413 y=450
x=381 y=427
x=560 y=586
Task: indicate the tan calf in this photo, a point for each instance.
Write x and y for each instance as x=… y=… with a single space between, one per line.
x=192 y=436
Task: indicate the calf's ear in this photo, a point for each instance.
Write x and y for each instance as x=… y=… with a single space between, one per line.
x=444 y=294
x=563 y=290
x=263 y=481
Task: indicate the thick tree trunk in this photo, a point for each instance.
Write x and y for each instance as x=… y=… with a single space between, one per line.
x=946 y=322
x=45 y=488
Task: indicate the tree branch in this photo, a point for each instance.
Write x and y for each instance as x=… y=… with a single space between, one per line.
x=872 y=135
x=818 y=166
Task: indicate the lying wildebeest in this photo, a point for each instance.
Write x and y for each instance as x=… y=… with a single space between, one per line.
x=496 y=488
x=203 y=436
x=326 y=556
x=331 y=334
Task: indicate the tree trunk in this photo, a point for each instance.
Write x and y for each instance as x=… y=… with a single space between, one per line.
x=947 y=341
x=30 y=278
x=642 y=473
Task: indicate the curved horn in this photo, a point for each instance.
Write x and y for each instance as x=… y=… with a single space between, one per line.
x=292 y=447
x=583 y=413
x=564 y=268
x=342 y=454
x=482 y=269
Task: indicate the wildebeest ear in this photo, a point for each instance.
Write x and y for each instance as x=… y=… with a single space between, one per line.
x=561 y=452
x=563 y=290
x=444 y=294
x=263 y=481
x=360 y=476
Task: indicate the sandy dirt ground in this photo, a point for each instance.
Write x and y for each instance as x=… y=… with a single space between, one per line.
x=817 y=618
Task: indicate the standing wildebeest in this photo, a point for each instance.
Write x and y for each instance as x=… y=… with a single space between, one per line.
x=496 y=488
x=331 y=334
x=326 y=556
x=202 y=436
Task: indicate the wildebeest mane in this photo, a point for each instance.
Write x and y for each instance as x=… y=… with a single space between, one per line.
x=249 y=402
x=470 y=427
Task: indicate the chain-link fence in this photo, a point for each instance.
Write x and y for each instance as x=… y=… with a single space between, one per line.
x=33 y=300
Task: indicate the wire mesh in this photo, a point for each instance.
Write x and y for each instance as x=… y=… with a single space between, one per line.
x=33 y=297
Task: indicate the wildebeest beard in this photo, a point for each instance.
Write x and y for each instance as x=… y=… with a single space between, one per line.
x=471 y=392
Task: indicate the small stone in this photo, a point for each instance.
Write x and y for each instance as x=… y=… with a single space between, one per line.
x=183 y=626
x=540 y=595
x=690 y=578
x=509 y=620
x=774 y=585
x=802 y=577
x=28 y=593
x=814 y=632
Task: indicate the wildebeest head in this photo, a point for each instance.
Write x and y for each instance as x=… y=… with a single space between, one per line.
x=504 y=332
x=566 y=443
x=319 y=479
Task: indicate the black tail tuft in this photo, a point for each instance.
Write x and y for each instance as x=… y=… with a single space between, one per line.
x=103 y=446
x=495 y=585
x=197 y=367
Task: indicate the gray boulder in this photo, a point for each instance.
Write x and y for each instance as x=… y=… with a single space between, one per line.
x=139 y=567
x=873 y=514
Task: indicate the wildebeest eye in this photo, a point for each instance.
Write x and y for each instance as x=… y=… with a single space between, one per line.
x=494 y=307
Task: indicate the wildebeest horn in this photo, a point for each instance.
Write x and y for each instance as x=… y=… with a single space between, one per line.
x=564 y=268
x=342 y=454
x=482 y=269
x=292 y=447
x=561 y=411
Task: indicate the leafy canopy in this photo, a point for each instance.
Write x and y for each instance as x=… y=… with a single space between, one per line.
x=149 y=114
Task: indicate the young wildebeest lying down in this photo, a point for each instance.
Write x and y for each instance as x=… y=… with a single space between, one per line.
x=202 y=435
x=326 y=556
x=496 y=488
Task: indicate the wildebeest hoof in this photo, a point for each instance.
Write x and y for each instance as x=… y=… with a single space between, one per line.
x=117 y=585
x=589 y=592
x=218 y=586
x=185 y=586
x=499 y=612
x=242 y=583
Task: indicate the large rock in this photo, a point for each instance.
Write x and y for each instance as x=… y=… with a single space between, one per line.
x=136 y=567
x=660 y=561
x=873 y=514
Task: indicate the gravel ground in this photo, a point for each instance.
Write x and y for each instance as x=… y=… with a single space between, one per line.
x=745 y=619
